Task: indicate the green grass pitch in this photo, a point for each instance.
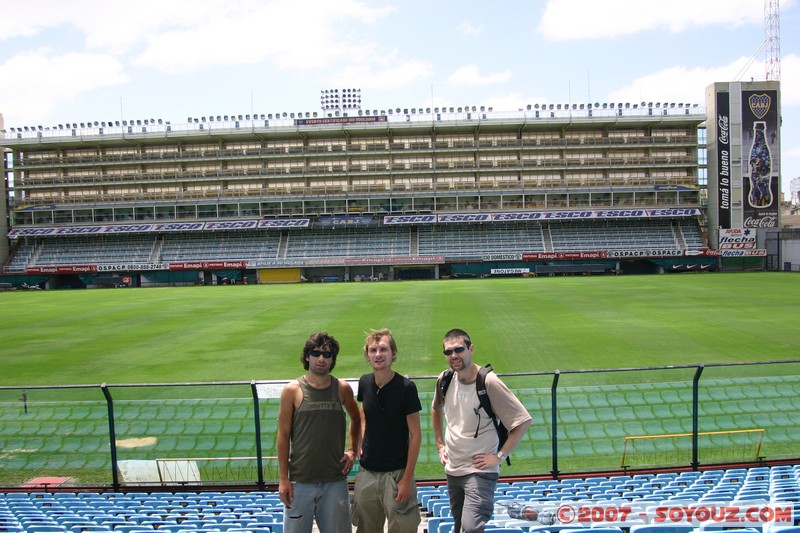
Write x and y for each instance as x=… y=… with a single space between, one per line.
x=243 y=333
x=231 y=333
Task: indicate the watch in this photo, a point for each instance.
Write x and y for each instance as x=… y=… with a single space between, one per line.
x=501 y=456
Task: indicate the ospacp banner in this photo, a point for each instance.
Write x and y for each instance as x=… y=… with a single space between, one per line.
x=132 y=267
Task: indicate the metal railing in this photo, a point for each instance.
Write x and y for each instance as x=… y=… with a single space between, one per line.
x=584 y=420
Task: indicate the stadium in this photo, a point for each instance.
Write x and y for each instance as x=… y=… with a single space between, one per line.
x=373 y=194
x=383 y=195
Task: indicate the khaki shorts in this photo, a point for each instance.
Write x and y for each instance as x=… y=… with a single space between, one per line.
x=374 y=503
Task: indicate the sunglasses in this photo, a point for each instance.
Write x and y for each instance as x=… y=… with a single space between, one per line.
x=458 y=349
x=317 y=353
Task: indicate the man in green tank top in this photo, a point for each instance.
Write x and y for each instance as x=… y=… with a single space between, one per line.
x=312 y=429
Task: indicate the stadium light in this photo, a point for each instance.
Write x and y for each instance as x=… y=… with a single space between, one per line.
x=348 y=99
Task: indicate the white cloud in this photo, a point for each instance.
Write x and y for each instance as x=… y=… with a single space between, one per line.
x=564 y=20
x=469 y=29
x=295 y=35
x=186 y=35
x=790 y=80
x=684 y=84
x=26 y=19
x=34 y=85
x=470 y=75
x=384 y=76
x=509 y=101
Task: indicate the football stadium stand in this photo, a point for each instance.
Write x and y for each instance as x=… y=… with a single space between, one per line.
x=754 y=500
x=375 y=194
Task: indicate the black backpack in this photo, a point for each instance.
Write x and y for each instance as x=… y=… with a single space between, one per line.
x=483 y=398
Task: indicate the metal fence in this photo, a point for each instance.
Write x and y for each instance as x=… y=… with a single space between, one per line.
x=222 y=434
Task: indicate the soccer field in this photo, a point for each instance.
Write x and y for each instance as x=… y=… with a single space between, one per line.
x=243 y=333
x=256 y=332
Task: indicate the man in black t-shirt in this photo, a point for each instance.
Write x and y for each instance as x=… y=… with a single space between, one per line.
x=385 y=486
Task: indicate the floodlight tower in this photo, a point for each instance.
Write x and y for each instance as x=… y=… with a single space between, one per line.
x=340 y=100
x=772 y=26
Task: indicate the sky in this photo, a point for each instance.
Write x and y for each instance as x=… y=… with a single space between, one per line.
x=100 y=60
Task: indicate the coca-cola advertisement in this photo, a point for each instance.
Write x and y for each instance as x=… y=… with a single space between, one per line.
x=724 y=184
x=760 y=158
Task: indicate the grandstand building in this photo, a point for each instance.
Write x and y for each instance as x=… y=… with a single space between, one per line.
x=359 y=195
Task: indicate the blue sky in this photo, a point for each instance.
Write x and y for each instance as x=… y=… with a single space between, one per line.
x=86 y=60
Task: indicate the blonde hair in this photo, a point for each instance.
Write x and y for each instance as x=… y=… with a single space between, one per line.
x=376 y=335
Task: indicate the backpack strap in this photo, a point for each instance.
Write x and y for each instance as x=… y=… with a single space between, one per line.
x=483 y=394
x=444 y=382
x=486 y=404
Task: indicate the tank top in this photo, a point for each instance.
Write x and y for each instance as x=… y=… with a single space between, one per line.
x=318 y=435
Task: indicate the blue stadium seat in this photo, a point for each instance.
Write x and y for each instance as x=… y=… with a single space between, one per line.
x=661 y=528
x=43 y=528
x=440 y=524
x=439 y=507
x=598 y=529
x=782 y=529
x=558 y=528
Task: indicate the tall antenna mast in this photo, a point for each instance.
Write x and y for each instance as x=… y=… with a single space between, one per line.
x=772 y=25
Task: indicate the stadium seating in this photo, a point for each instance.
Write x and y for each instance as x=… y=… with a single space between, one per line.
x=260 y=512
x=457 y=241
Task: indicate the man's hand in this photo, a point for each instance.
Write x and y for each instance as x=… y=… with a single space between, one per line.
x=442 y=453
x=286 y=492
x=348 y=460
x=403 y=490
x=485 y=460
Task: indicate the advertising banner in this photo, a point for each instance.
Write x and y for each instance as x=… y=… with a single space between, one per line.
x=760 y=158
x=724 y=159
x=737 y=239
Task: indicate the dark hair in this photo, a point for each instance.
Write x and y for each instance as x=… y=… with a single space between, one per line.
x=320 y=340
x=458 y=334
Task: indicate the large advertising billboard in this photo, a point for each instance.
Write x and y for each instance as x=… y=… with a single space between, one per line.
x=760 y=159
x=724 y=159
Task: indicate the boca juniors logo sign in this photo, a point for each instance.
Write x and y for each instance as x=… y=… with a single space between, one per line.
x=759 y=104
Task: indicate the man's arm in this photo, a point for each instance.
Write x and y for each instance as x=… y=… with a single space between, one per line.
x=437 y=421
x=351 y=406
x=414 y=443
x=285 y=416
x=514 y=436
x=359 y=451
x=514 y=416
